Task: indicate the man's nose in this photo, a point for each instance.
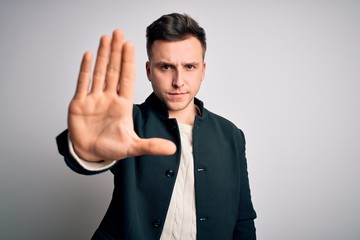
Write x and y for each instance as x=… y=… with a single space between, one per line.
x=178 y=80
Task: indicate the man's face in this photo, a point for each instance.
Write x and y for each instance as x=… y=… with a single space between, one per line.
x=176 y=70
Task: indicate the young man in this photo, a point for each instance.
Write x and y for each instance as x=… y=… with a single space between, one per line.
x=180 y=171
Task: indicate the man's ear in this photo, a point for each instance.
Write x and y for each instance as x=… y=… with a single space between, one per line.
x=204 y=70
x=148 y=72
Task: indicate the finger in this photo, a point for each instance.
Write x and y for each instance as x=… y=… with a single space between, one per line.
x=114 y=66
x=127 y=74
x=82 y=86
x=154 y=146
x=102 y=60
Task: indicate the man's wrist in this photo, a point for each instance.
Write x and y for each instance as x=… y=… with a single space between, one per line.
x=89 y=165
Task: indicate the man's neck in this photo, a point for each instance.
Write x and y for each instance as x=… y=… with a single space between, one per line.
x=186 y=116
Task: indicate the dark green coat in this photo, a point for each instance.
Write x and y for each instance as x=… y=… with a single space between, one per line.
x=143 y=185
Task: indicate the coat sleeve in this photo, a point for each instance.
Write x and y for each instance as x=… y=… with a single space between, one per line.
x=64 y=149
x=245 y=226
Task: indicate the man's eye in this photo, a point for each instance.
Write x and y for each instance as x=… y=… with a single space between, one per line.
x=190 y=67
x=165 y=67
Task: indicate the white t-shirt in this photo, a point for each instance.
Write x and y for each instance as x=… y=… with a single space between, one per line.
x=180 y=220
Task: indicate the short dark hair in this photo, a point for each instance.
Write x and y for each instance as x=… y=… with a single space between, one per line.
x=174 y=27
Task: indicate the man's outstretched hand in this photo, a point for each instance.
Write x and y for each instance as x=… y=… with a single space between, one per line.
x=100 y=119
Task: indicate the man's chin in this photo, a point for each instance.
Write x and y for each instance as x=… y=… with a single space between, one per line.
x=176 y=106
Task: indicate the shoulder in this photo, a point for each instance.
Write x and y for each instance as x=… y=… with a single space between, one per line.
x=221 y=128
x=220 y=121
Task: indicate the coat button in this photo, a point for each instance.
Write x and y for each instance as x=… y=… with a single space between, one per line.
x=170 y=173
x=157 y=223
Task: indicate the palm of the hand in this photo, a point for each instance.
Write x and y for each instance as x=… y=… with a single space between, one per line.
x=103 y=123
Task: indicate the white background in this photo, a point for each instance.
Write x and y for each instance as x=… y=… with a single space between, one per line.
x=285 y=72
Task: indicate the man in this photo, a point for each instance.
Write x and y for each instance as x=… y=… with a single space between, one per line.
x=180 y=171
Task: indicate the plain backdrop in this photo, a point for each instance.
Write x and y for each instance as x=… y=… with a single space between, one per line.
x=286 y=72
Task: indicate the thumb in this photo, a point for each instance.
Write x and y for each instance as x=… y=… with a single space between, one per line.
x=154 y=146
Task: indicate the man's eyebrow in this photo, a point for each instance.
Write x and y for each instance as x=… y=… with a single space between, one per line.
x=159 y=63
x=191 y=63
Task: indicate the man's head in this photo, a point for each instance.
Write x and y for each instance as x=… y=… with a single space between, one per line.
x=174 y=27
x=176 y=67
